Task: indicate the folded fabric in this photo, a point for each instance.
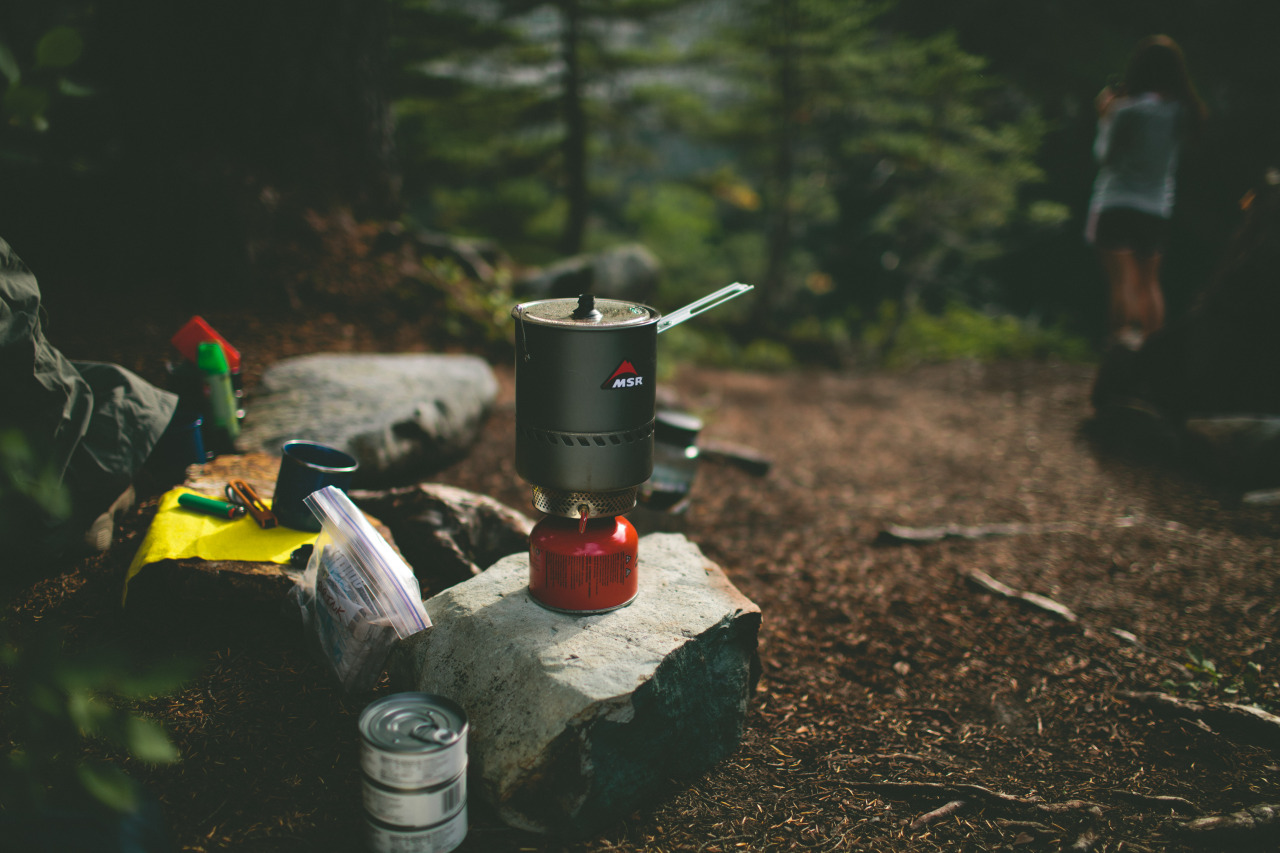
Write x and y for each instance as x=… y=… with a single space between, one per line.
x=178 y=533
x=87 y=427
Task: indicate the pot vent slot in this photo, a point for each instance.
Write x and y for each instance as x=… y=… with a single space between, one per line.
x=604 y=439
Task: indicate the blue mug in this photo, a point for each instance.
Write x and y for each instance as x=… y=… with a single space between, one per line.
x=306 y=467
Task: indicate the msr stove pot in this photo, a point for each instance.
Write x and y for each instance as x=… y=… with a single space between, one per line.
x=585 y=403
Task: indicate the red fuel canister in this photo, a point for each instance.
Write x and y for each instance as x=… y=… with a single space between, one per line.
x=583 y=566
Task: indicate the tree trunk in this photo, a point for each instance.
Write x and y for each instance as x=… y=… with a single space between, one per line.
x=778 y=196
x=575 y=132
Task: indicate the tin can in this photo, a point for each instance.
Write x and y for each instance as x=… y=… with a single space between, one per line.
x=440 y=838
x=583 y=567
x=417 y=807
x=413 y=740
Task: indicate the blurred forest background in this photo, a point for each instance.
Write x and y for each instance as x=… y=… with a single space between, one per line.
x=893 y=175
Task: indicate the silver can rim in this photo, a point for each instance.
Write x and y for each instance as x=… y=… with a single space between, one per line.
x=379 y=709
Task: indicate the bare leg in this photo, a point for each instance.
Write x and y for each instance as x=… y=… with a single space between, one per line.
x=1123 y=275
x=1150 y=296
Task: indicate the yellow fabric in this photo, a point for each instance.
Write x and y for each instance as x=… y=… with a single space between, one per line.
x=178 y=533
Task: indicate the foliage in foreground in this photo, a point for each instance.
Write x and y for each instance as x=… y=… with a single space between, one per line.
x=60 y=706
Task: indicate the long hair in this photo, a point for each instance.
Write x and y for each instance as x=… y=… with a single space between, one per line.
x=1157 y=65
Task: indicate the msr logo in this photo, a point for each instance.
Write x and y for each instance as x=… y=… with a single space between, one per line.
x=626 y=376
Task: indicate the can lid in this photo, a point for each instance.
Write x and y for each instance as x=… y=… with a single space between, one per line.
x=603 y=313
x=413 y=723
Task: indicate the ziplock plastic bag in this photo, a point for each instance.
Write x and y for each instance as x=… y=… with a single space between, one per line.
x=357 y=595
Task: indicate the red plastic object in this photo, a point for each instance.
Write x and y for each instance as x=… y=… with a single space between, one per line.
x=187 y=341
x=588 y=572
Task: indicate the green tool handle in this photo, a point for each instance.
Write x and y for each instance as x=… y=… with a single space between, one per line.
x=210 y=506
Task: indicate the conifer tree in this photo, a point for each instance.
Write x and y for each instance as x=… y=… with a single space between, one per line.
x=880 y=156
x=541 y=80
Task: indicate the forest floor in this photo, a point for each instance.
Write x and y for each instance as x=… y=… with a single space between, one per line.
x=895 y=683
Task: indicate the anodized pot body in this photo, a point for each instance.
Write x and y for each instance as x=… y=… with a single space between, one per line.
x=585 y=398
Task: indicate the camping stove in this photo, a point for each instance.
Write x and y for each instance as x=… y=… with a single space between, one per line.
x=584 y=441
x=585 y=406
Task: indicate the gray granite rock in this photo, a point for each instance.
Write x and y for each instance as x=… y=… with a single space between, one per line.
x=445 y=533
x=1242 y=450
x=629 y=272
x=577 y=721
x=403 y=416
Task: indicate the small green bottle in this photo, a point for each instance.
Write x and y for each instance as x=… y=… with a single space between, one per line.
x=212 y=362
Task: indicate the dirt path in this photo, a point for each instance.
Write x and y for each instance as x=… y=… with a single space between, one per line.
x=893 y=686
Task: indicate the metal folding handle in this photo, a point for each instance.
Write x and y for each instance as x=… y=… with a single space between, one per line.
x=706 y=303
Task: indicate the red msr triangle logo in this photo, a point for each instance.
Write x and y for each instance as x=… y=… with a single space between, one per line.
x=626 y=376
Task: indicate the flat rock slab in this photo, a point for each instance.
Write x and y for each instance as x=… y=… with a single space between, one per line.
x=577 y=721
x=233 y=582
x=403 y=416
x=166 y=583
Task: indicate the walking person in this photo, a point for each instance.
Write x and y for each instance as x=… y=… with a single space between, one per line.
x=1143 y=123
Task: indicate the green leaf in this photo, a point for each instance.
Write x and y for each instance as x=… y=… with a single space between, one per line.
x=9 y=65
x=88 y=713
x=148 y=742
x=109 y=786
x=58 y=48
x=73 y=90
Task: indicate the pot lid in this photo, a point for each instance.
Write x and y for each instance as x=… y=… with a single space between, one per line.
x=586 y=312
